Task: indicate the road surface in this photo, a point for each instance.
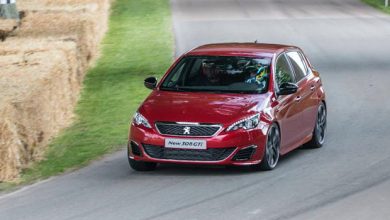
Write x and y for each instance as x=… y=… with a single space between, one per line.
x=349 y=178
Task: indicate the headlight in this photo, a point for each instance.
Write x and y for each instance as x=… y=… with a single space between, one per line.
x=246 y=123
x=139 y=119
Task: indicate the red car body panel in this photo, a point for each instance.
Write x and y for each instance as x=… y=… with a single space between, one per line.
x=200 y=107
x=295 y=114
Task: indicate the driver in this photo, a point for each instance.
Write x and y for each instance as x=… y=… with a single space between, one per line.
x=211 y=72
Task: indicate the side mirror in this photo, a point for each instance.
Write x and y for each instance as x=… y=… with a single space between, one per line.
x=287 y=89
x=150 y=82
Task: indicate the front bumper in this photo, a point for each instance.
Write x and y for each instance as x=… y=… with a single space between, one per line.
x=226 y=148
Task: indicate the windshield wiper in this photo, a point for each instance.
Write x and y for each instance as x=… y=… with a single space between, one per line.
x=242 y=91
x=220 y=91
x=176 y=89
x=201 y=90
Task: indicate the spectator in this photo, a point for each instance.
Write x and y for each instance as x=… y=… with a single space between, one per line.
x=8 y=9
x=9 y=18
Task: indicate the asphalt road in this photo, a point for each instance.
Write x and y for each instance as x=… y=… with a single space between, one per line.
x=349 y=178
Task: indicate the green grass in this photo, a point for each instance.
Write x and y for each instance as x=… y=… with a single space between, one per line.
x=379 y=4
x=139 y=43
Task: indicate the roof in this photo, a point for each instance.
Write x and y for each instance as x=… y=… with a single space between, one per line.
x=238 y=49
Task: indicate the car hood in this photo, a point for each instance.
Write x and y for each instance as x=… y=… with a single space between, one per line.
x=201 y=107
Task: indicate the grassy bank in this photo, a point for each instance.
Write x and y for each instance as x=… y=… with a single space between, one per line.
x=379 y=4
x=139 y=44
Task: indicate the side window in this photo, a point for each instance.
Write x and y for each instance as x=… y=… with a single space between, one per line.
x=174 y=77
x=283 y=72
x=298 y=65
x=305 y=62
x=195 y=68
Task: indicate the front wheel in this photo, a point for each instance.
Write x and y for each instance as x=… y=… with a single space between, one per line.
x=272 y=149
x=318 y=138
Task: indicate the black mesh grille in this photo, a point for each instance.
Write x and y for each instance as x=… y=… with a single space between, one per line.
x=194 y=130
x=212 y=154
x=244 y=154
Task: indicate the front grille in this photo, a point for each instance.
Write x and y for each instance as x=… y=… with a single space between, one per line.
x=189 y=130
x=244 y=154
x=212 y=154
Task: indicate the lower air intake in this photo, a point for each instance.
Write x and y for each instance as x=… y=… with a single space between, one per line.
x=244 y=154
x=135 y=149
x=212 y=154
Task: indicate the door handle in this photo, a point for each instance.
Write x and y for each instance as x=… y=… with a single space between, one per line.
x=312 y=87
x=298 y=98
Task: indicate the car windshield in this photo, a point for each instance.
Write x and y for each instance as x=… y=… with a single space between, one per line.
x=219 y=74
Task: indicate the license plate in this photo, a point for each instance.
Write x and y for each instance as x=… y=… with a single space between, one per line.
x=185 y=144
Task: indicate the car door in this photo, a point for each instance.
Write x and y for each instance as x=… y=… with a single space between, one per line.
x=287 y=110
x=306 y=98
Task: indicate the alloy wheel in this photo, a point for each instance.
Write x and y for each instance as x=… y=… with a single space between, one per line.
x=273 y=146
x=321 y=124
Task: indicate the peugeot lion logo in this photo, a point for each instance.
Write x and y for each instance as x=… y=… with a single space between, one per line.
x=186 y=130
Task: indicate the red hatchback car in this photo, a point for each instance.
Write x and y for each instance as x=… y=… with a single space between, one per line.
x=230 y=104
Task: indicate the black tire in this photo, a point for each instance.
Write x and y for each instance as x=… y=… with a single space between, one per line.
x=142 y=166
x=272 y=149
x=318 y=138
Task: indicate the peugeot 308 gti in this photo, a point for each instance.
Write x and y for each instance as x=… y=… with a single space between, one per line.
x=230 y=104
